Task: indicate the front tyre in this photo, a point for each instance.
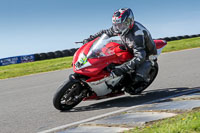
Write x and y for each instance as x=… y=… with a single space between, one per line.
x=68 y=95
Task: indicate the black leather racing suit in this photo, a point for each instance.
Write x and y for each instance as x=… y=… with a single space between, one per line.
x=139 y=41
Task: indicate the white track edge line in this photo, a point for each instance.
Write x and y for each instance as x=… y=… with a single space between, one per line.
x=56 y=129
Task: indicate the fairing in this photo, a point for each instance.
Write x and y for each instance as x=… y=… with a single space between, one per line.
x=91 y=59
x=160 y=44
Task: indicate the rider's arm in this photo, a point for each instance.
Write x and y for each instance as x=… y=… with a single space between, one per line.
x=110 y=32
x=139 y=51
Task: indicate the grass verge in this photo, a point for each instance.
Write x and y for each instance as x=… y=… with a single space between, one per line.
x=182 y=123
x=16 y=70
x=182 y=44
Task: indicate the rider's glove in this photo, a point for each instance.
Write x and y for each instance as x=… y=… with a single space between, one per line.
x=121 y=70
x=85 y=41
x=89 y=39
x=118 y=72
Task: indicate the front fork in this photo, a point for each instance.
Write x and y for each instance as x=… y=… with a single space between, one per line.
x=86 y=90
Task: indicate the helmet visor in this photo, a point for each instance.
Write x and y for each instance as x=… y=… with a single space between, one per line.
x=120 y=27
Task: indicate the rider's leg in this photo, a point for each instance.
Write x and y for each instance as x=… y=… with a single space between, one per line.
x=142 y=72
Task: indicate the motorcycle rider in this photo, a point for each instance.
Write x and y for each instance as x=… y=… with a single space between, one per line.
x=136 y=39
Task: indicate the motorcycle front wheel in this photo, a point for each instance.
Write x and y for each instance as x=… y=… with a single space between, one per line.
x=68 y=95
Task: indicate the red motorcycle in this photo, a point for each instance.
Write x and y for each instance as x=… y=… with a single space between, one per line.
x=92 y=78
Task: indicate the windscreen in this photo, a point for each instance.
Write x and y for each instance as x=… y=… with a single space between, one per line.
x=101 y=47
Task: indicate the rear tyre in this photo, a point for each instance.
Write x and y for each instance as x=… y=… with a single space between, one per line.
x=50 y=55
x=66 y=53
x=37 y=57
x=43 y=56
x=58 y=54
x=68 y=96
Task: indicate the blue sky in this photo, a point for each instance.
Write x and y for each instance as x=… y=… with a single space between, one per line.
x=35 y=26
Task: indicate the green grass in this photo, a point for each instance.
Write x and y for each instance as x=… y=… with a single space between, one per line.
x=16 y=70
x=182 y=44
x=182 y=123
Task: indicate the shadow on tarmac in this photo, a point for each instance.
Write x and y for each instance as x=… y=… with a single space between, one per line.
x=132 y=100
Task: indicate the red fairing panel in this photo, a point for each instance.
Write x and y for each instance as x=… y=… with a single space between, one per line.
x=122 y=55
x=160 y=43
x=98 y=64
x=95 y=71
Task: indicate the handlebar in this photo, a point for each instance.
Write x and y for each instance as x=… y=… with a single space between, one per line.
x=78 y=42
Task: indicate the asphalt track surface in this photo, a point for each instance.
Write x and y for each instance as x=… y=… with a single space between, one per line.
x=26 y=102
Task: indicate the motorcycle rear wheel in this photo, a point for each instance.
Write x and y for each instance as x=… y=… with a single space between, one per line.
x=68 y=95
